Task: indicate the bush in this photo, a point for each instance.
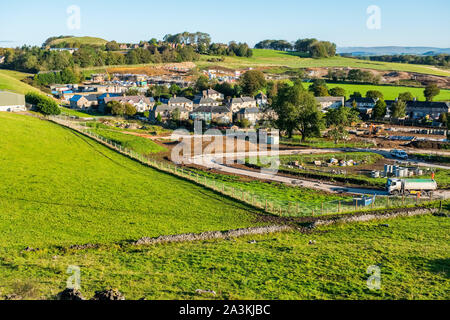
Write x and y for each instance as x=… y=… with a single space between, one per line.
x=43 y=104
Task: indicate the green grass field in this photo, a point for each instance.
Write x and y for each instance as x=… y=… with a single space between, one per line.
x=12 y=81
x=389 y=92
x=412 y=254
x=61 y=189
x=140 y=145
x=82 y=40
x=272 y=58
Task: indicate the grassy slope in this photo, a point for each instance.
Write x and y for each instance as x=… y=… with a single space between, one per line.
x=412 y=254
x=269 y=58
x=389 y=92
x=63 y=189
x=82 y=40
x=11 y=80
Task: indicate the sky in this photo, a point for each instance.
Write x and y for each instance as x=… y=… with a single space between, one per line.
x=344 y=22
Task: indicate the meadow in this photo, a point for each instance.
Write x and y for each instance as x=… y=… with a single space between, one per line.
x=412 y=254
x=60 y=188
x=272 y=58
x=12 y=81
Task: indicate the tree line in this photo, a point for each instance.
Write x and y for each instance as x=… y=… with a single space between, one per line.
x=442 y=60
x=311 y=47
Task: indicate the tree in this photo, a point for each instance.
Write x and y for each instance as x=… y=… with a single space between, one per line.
x=398 y=109
x=379 y=111
x=406 y=96
x=130 y=110
x=319 y=88
x=43 y=104
x=338 y=133
x=356 y=95
x=117 y=109
x=374 y=94
x=443 y=118
x=297 y=109
x=431 y=91
x=252 y=81
x=338 y=92
x=244 y=123
x=132 y=92
x=176 y=115
x=159 y=118
x=342 y=116
x=112 y=46
x=202 y=83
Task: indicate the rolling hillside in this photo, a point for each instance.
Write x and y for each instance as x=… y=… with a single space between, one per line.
x=11 y=81
x=62 y=189
x=80 y=40
x=272 y=58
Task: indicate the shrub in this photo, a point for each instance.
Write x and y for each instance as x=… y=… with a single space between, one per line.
x=43 y=104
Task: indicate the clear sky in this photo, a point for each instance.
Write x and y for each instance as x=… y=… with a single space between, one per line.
x=403 y=22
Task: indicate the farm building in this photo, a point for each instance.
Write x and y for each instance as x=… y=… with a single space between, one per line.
x=12 y=102
x=83 y=102
x=330 y=102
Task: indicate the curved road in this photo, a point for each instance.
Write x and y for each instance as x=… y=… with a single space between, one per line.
x=216 y=162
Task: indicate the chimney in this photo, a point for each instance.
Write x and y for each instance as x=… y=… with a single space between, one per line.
x=415 y=99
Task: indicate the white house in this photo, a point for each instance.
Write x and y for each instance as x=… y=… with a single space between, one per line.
x=12 y=102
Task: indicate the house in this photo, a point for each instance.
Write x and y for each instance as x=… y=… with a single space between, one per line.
x=82 y=102
x=253 y=115
x=204 y=102
x=330 y=102
x=421 y=109
x=213 y=94
x=166 y=111
x=182 y=103
x=12 y=102
x=261 y=99
x=220 y=114
x=99 y=77
x=141 y=103
x=364 y=105
x=236 y=104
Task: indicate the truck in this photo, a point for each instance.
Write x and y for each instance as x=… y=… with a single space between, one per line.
x=400 y=154
x=411 y=186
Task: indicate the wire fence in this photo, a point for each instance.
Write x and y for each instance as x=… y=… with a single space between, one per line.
x=254 y=199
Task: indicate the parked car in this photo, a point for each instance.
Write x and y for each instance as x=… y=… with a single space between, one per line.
x=400 y=154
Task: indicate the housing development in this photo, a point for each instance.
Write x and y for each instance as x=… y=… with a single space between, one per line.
x=185 y=168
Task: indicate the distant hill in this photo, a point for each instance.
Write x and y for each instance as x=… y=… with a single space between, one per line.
x=379 y=51
x=73 y=42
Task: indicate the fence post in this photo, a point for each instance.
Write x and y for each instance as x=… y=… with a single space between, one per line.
x=339 y=210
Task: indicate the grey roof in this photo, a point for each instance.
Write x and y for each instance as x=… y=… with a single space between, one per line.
x=133 y=99
x=242 y=100
x=211 y=91
x=166 y=107
x=8 y=98
x=329 y=99
x=428 y=104
x=179 y=100
x=205 y=101
x=249 y=110
x=212 y=109
x=363 y=100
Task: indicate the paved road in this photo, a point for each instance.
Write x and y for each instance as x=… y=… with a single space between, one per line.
x=216 y=162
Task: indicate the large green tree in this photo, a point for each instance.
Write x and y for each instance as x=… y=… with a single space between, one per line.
x=252 y=81
x=431 y=91
x=297 y=110
x=380 y=109
x=398 y=109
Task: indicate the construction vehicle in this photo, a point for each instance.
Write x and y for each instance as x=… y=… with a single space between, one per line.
x=411 y=186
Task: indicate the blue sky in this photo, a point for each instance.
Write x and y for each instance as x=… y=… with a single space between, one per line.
x=403 y=22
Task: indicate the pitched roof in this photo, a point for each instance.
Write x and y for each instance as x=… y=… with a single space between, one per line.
x=205 y=101
x=363 y=100
x=428 y=104
x=212 y=109
x=179 y=100
x=242 y=100
x=329 y=99
x=249 y=110
x=128 y=99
